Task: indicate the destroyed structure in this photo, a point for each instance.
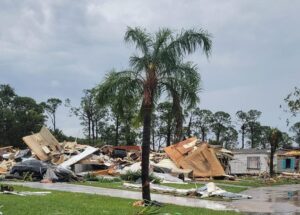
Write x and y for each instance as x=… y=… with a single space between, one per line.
x=48 y=160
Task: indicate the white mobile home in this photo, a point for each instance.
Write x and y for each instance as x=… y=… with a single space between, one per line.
x=249 y=161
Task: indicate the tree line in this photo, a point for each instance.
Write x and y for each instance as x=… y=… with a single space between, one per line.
x=22 y=115
x=117 y=123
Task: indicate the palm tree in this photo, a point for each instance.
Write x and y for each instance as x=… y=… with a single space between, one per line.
x=157 y=69
x=275 y=137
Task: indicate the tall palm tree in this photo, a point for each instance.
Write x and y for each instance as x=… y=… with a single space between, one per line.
x=157 y=69
x=275 y=137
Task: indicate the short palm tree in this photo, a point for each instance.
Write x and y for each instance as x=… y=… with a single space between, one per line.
x=157 y=69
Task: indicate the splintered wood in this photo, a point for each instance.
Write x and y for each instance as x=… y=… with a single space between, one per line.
x=43 y=144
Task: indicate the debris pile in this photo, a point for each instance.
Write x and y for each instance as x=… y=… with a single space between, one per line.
x=290 y=175
x=48 y=160
x=199 y=158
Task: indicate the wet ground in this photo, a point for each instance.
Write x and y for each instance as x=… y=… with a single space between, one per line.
x=283 y=199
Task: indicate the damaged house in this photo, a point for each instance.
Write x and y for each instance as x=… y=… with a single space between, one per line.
x=249 y=162
x=288 y=161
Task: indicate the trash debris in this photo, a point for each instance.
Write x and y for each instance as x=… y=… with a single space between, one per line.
x=36 y=167
x=47 y=160
x=202 y=159
x=210 y=189
x=290 y=175
x=161 y=189
x=27 y=193
x=43 y=144
x=6 y=188
x=167 y=178
x=88 y=151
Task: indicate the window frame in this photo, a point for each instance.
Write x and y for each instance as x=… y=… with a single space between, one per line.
x=258 y=162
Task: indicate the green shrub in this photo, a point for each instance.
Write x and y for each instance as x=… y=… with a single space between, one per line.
x=133 y=176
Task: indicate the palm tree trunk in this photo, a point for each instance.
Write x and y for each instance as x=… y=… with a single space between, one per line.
x=146 y=152
x=117 y=131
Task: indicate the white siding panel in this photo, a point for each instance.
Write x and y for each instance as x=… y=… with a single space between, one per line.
x=239 y=164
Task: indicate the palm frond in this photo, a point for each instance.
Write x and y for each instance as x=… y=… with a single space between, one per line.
x=161 y=39
x=139 y=63
x=125 y=83
x=188 y=41
x=140 y=37
x=187 y=92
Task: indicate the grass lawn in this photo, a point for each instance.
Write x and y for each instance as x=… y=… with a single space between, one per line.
x=259 y=182
x=66 y=203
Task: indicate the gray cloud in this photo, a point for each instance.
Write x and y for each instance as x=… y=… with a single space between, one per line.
x=60 y=47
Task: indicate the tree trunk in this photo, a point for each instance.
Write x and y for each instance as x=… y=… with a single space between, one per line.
x=203 y=134
x=96 y=129
x=271 y=163
x=189 y=127
x=89 y=129
x=93 y=131
x=177 y=110
x=54 y=122
x=117 y=132
x=153 y=140
x=243 y=136
x=169 y=132
x=218 y=137
x=146 y=152
x=149 y=90
x=128 y=137
x=252 y=138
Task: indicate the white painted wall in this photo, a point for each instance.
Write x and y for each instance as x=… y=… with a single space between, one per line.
x=239 y=164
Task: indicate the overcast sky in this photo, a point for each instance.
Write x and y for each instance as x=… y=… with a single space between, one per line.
x=57 y=48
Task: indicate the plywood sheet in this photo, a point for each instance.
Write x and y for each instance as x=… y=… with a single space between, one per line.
x=177 y=151
x=38 y=141
x=74 y=159
x=203 y=162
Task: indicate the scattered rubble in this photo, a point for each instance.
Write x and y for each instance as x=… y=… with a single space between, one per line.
x=200 y=158
x=27 y=193
x=48 y=160
x=7 y=189
x=210 y=190
x=290 y=175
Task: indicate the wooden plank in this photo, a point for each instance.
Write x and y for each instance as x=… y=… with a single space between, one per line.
x=76 y=158
x=37 y=141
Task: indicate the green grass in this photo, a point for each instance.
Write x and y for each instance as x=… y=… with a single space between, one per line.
x=66 y=203
x=259 y=182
